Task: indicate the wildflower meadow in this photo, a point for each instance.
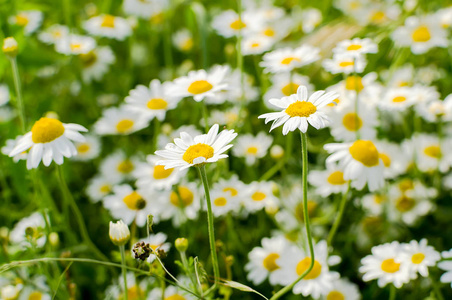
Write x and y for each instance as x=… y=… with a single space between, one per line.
x=246 y=149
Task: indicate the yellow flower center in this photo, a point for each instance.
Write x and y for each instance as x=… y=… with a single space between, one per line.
x=406 y=184
x=433 y=151
x=390 y=266
x=344 y=64
x=76 y=46
x=269 y=262
x=46 y=130
x=160 y=172
x=289 y=89
x=133 y=293
x=404 y=204
x=198 y=150
x=399 y=99
x=379 y=199
x=258 y=196
x=35 y=296
x=386 y=159
x=157 y=103
x=22 y=20
x=354 y=47
x=352 y=122
x=288 y=60
x=334 y=103
x=105 y=189
x=187 y=44
x=221 y=201
x=354 y=83
x=124 y=126
x=175 y=297
x=365 y=152
x=125 y=167
x=301 y=109
x=83 y=148
x=335 y=295
x=378 y=17
x=134 y=201
x=251 y=150
x=232 y=190
x=108 y=21
x=417 y=258
x=421 y=34
x=303 y=265
x=269 y=32
x=183 y=197
x=337 y=177
x=237 y=24
x=157 y=18
x=88 y=59
x=199 y=87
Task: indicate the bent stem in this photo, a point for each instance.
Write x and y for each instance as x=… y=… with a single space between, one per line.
x=123 y=268
x=18 y=88
x=213 y=252
x=304 y=153
x=338 y=219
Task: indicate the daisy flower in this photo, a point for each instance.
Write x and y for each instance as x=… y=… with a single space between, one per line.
x=367 y=87
x=252 y=147
x=233 y=187
x=288 y=59
x=420 y=256
x=35 y=224
x=256 y=44
x=99 y=187
x=345 y=63
x=128 y=205
x=263 y=260
x=49 y=140
x=373 y=203
x=200 y=84
x=299 y=110
x=421 y=34
x=343 y=289
x=144 y=9
x=387 y=265
x=284 y=85
x=225 y=117
x=4 y=94
x=183 y=40
x=295 y=261
x=153 y=101
x=445 y=17
x=96 y=63
x=30 y=20
x=329 y=181
x=446 y=266
x=35 y=288
x=118 y=167
x=259 y=195
x=74 y=44
x=356 y=47
x=188 y=151
x=431 y=154
x=10 y=145
x=397 y=99
x=228 y=23
x=360 y=161
x=224 y=202
x=120 y=120
x=378 y=13
x=108 y=26
x=53 y=34
x=276 y=30
x=395 y=159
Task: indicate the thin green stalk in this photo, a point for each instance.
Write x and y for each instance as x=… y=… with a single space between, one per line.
x=304 y=153
x=205 y=116
x=436 y=288
x=156 y=134
x=124 y=273
x=20 y=101
x=67 y=197
x=338 y=219
x=392 y=292
x=183 y=257
x=216 y=270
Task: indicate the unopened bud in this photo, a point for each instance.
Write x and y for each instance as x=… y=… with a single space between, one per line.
x=54 y=239
x=181 y=244
x=119 y=233
x=276 y=152
x=10 y=47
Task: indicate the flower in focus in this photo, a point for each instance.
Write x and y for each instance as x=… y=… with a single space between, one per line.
x=420 y=256
x=119 y=233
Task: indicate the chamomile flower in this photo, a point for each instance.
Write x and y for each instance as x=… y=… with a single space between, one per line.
x=276 y=30
x=30 y=20
x=343 y=289
x=118 y=167
x=200 y=84
x=225 y=117
x=108 y=26
x=259 y=195
x=29 y=230
x=431 y=154
x=49 y=140
x=421 y=34
x=10 y=145
x=446 y=266
x=144 y=8
x=228 y=23
x=419 y=256
x=252 y=147
x=256 y=44
x=188 y=151
x=329 y=181
x=288 y=59
x=233 y=187
x=96 y=63
x=397 y=99
x=75 y=44
x=295 y=261
x=128 y=205
x=345 y=63
x=356 y=47
x=373 y=203
x=53 y=34
x=157 y=242
x=284 y=85
x=263 y=261
x=387 y=265
x=99 y=187
x=151 y=177
x=395 y=159
x=88 y=149
x=153 y=101
x=368 y=89
x=360 y=161
x=445 y=17
x=119 y=120
x=376 y=13
x=299 y=111
x=35 y=288
x=183 y=40
x=224 y=202
x=4 y=94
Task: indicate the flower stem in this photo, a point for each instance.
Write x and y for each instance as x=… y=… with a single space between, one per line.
x=392 y=292
x=20 y=101
x=338 y=219
x=216 y=270
x=304 y=153
x=124 y=274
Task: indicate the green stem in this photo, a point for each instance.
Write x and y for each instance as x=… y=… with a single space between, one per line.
x=436 y=288
x=338 y=219
x=392 y=292
x=205 y=115
x=304 y=153
x=216 y=270
x=183 y=257
x=20 y=101
x=124 y=273
x=67 y=196
x=273 y=170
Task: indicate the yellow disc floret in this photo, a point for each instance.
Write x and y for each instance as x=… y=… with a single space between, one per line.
x=220 y=201
x=46 y=130
x=237 y=24
x=354 y=47
x=134 y=201
x=198 y=150
x=352 y=122
x=301 y=109
x=184 y=197
x=417 y=258
x=288 y=60
x=269 y=262
x=160 y=172
x=390 y=266
x=421 y=34
x=157 y=103
x=335 y=295
x=433 y=151
x=336 y=178
x=124 y=126
x=289 y=89
x=354 y=83
x=258 y=196
x=365 y=152
x=108 y=21
x=304 y=264
x=199 y=87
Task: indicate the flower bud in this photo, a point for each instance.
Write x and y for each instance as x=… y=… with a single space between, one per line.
x=54 y=239
x=119 y=233
x=181 y=244
x=9 y=292
x=276 y=152
x=10 y=47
